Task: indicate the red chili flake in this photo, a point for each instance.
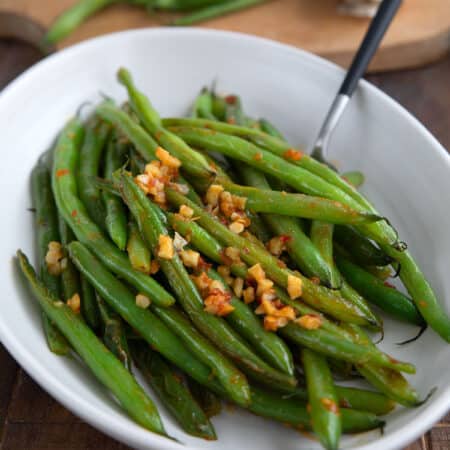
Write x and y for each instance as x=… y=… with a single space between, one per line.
x=203 y=265
x=71 y=135
x=330 y=405
x=62 y=172
x=158 y=135
x=315 y=280
x=344 y=403
x=246 y=250
x=389 y=285
x=285 y=238
x=74 y=213
x=231 y=120
x=281 y=264
x=258 y=156
x=423 y=303
x=308 y=408
x=231 y=99
x=295 y=155
x=251 y=282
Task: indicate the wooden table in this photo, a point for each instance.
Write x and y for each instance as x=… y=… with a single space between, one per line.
x=31 y=420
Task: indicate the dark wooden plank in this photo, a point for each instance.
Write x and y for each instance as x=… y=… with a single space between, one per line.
x=8 y=374
x=31 y=404
x=51 y=436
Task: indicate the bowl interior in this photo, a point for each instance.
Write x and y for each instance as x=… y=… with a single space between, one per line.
x=407 y=175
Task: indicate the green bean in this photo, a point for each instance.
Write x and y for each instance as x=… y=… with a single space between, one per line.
x=75 y=214
x=192 y=162
x=217 y=330
x=354 y=398
x=172 y=392
x=364 y=400
x=70 y=19
x=46 y=232
x=269 y=128
x=421 y=293
x=325 y=412
x=269 y=346
x=388 y=381
x=264 y=200
x=329 y=344
x=290 y=411
x=114 y=333
x=209 y=402
x=329 y=339
x=144 y=144
x=145 y=322
x=116 y=218
x=138 y=253
x=70 y=278
x=322 y=238
x=387 y=298
x=302 y=251
x=104 y=365
x=355 y=178
x=354 y=297
x=96 y=135
x=319 y=297
x=361 y=248
x=203 y=105
x=89 y=307
x=215 y=10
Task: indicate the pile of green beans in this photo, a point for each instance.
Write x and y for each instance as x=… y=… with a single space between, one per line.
x=117 y=298
x=194 y=11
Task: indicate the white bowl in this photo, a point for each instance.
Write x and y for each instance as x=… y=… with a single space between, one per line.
x=407 y=177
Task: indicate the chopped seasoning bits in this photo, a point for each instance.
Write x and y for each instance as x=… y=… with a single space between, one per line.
x=277 y=245
x=257 y=272
x=236 y=227
x=272 y=323
x=294 y=287
x=165 y=248
x=74 y=303
x=238 y=286
x=233 y=254
x=215 y=298
x=167 y=159
x=190 y=258
x=309 y=321
x=186 y=212
x=53 y=258
x=142 y=301
x=157 y=175
x=249 y=295
x=212 y=194
x=179 y=242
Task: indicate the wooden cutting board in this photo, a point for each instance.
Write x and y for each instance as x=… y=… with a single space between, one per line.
x=419 y=34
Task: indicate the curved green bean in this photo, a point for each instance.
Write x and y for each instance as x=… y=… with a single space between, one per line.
x=89 y=307
x=388 y=299
x=203 y=105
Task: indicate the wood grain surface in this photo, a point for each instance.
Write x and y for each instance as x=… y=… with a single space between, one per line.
x=31 y=420
x=420 y=32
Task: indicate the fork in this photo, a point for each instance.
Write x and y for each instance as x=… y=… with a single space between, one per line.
x=367 y=49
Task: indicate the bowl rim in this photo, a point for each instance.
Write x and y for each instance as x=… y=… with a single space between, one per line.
x=115 y=426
